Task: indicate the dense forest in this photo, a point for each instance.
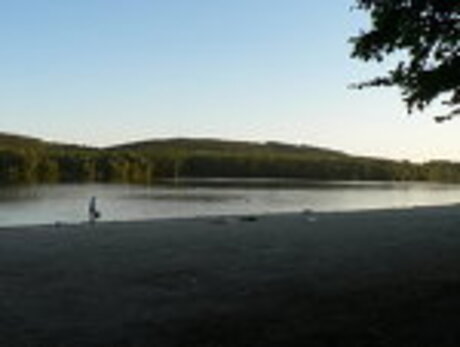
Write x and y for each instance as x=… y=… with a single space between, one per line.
x=29 y=160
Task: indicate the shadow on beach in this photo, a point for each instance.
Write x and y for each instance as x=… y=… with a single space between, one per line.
x=377 y=278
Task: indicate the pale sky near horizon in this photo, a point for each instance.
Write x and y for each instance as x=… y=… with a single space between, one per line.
x=102 y=72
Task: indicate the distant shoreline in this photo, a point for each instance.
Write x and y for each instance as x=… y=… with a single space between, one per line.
x=27 y=159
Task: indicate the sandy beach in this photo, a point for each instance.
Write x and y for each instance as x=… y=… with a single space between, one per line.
x=374 y=278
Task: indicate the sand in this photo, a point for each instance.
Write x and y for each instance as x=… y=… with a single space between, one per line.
x=375 y=278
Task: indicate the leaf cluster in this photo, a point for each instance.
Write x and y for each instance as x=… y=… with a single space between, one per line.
x=426 y=34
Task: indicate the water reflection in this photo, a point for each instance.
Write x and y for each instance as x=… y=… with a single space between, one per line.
x=186 y=196
x=279 y=183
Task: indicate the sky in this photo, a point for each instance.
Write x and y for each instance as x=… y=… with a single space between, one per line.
x=103 y=72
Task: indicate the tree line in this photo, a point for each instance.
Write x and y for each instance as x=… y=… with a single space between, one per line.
x=25 y=161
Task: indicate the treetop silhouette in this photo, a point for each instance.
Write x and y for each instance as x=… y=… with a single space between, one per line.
x=426 y=34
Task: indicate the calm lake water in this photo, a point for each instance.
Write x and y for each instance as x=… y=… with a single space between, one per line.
x=68 y=203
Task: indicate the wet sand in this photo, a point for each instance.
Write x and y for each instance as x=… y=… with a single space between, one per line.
x=375 y=278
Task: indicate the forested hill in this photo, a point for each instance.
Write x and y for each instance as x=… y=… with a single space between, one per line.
x=26 y=143
x=225 y=147
x=24 y=159
x=18 y=141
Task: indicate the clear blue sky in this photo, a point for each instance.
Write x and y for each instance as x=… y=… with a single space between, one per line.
x=101 y=72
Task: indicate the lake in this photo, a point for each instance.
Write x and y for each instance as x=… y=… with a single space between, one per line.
x=68 y=203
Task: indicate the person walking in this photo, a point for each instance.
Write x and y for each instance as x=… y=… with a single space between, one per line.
x=93 y=213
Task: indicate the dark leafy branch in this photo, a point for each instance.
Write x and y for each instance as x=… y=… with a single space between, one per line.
x=426 y=34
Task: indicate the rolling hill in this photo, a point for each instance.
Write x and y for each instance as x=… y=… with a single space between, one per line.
x=28 y=159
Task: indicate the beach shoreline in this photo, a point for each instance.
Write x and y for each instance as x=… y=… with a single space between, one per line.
x=376 y=277
x=231 y=216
